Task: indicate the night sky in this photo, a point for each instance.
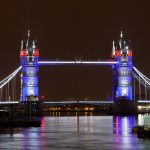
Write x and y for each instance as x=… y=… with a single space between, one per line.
x=69 y=29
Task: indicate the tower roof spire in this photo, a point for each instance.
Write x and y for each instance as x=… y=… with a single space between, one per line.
x=113 y=48
x=21 y=44
x=28 y=42
x=121 y=34
x=29 y=33
x=121 y=41
x=33 y=44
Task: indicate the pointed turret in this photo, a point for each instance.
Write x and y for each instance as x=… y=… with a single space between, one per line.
x=33 y=44
x=121 y=41
x=113 y=50
x=29 y=33
x=121 y=34
x=21 y=45
x=29 y=41
x=28 y=37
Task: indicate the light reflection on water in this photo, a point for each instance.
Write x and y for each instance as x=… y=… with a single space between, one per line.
x=77 y=131
x=124 y=124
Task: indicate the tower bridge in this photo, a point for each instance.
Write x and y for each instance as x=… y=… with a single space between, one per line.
x=121 y=62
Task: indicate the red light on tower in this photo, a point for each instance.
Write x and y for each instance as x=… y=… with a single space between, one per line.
x=118 y=53
x=23 y=53
x=42 y=97
x=130 y=53
x=36 y=53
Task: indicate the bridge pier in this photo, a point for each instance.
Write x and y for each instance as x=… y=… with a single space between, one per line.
x=124 y=107
x=122 y=78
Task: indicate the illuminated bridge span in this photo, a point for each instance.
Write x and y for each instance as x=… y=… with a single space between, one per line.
x=123 y=71
x=80 y=62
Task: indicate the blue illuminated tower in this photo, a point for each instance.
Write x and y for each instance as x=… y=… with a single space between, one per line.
x=29 y=55
x=122 y=78
x=122 y=72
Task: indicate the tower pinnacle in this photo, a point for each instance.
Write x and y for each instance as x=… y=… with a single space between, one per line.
x=113 y=49
x=121 y=34
x=28 y=32
x=33 y=44
x=21 y=44
x=28 y=40
x=113 y=45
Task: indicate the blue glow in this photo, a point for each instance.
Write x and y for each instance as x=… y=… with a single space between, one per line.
x=30 y=81
x=29 y=91
x=30 y=70
x=124 y=92
x=123 y=124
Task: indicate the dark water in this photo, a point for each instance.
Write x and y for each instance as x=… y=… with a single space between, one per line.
x=86 y=132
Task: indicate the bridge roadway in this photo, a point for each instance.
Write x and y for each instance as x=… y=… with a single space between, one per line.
x=72 y=102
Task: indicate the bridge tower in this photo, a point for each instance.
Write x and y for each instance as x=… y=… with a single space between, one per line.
x=29 y=55
x=122 y=76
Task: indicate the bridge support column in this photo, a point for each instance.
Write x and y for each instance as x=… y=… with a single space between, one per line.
x=122 y=78
x=29 y=55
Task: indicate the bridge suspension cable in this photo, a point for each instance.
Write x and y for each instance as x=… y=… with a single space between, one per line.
x=143 y=80
x=8 y=78
x=146 y=79
x=139 y=76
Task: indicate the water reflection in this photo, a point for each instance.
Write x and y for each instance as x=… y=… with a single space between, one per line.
x=77 y=131
x=140 y=119
x=124 y=124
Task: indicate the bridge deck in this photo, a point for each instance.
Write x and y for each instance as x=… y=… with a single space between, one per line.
x=73 y=102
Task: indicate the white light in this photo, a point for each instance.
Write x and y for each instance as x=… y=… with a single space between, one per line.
x=121 y=52
x=56 y=62
x=121 y=34
x=78 y=62
x=30 y=91
x=124 y=81
x=144 y=101
x=9 y=102
x=100 y=62
x=124 y=91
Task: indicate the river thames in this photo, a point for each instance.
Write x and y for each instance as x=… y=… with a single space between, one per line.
x=82 y=132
